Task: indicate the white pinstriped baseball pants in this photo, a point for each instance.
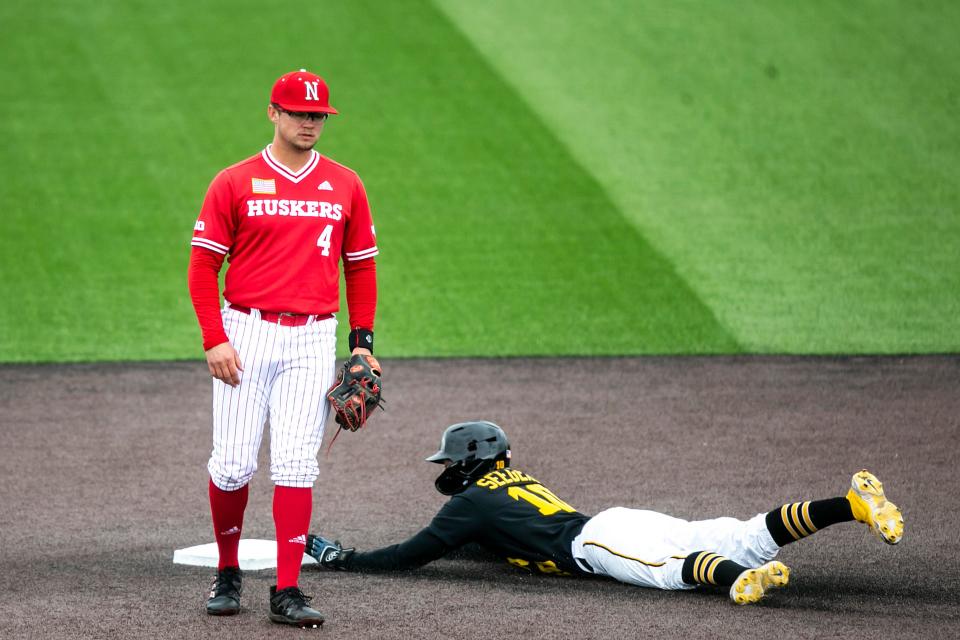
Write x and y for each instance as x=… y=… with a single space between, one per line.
x=286 y=374
x=647 y=548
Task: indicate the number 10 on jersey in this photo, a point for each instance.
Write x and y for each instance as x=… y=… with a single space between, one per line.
x=540 y=497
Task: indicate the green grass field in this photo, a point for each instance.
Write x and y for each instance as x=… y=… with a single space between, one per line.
x=547 y=178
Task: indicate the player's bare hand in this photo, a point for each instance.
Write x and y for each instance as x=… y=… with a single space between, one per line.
x=224 y=363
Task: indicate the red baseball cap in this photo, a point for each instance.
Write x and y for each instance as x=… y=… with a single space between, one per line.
x=302 y=91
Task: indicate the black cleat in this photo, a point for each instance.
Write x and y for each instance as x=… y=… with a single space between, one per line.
x=289 y=606
x=225 y=592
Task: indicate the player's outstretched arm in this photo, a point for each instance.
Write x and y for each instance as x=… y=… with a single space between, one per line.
x=423 y=548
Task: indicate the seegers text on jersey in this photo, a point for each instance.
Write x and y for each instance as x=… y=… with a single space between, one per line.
x=497 y=479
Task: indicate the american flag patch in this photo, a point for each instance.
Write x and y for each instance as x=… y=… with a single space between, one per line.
x=267 y=187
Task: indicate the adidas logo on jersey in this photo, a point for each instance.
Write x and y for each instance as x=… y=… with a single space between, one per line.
x=295 y=208
x=300 y=539
x=325 y=186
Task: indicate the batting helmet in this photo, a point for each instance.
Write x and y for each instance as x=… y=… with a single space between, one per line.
x=473 y=449
x=302 y=91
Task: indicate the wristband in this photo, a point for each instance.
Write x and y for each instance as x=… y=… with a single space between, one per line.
x=360 y=338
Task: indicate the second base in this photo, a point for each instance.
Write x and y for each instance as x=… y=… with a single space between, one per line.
x=254 y=554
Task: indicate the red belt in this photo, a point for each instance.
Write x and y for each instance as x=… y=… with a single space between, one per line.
x=281 y=318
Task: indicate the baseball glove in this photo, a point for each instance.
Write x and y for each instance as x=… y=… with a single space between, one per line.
x=330 y=555
x=357 y=391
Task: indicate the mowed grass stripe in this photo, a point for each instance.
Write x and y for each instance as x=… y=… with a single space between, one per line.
x=494 y=241
x=96 y=253
x=798 y=162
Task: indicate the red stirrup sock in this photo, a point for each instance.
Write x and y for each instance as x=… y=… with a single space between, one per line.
x=227 y=508
x=291 y=514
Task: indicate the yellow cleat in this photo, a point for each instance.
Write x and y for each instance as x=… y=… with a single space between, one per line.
x=751 y=585
x=871 y=507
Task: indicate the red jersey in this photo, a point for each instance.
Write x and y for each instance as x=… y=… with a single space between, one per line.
x=285 y=232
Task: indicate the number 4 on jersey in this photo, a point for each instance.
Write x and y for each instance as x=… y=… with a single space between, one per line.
x=324 y=240
x=540 y=497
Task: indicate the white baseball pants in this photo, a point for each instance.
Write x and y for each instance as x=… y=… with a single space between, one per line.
x=647 y=548
x=286 y=374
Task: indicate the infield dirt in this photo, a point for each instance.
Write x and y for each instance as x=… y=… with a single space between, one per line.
x=103 y=476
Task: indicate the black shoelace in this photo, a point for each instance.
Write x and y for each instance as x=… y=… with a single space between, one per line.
x=224 y=584
x=293 y=595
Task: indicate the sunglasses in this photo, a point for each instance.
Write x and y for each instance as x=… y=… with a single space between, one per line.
x=300 y=116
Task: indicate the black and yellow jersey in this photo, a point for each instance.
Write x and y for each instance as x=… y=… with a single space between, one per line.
x=507 y=512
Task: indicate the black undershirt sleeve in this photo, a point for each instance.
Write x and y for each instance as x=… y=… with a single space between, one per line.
x=455 y=525
x=419 y=550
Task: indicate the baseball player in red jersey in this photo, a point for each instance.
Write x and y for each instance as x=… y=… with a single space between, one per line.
x=286 y=217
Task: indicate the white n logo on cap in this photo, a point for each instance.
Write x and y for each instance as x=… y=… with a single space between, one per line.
x=311 y=90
